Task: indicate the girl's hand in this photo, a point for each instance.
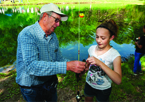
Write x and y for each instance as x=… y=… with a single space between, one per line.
x=93 y=60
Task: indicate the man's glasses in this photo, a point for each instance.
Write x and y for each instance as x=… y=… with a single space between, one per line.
x=56 y=19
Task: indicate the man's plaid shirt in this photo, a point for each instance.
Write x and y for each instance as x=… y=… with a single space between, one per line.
x=38 y=56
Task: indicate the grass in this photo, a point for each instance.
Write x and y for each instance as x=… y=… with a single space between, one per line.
x=9 y=89
x=72 y=1
x=131 y=89
x=77 y=4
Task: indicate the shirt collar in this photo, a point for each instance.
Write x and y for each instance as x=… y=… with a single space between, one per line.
x=41 y=33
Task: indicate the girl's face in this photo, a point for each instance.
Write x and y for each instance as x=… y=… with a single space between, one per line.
x=103 y=38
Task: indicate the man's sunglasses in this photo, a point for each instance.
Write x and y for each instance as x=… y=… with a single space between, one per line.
x=56 y=19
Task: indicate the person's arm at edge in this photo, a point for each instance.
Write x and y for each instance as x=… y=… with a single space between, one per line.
x=139 y=46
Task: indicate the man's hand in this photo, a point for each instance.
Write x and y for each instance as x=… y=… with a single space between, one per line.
x=76 y=66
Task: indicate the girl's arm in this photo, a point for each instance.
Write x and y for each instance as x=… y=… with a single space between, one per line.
x=116 y=74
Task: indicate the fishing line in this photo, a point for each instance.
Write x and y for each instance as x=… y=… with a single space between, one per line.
x=79 y=35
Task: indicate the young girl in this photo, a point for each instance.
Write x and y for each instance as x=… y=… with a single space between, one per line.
x=105 y=64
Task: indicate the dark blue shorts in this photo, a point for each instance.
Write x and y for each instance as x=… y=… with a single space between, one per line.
x=101 y=95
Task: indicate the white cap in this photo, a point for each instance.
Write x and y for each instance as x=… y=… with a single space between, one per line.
x=54 y=8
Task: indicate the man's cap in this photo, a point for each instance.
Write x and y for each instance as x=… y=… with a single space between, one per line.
x=54 y=8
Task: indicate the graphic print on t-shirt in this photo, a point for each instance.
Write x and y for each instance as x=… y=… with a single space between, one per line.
x=95 y=75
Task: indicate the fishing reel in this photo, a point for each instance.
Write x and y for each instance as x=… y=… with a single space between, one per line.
x=79 y=97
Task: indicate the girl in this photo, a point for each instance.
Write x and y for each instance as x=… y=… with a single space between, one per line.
x=105 y=64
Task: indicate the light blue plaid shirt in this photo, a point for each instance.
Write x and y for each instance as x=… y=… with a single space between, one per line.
x=38 y=56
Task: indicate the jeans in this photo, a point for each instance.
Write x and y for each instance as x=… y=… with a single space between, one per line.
x=39 y=94
x=137 y=63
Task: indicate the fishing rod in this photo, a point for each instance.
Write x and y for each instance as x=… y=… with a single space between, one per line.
x=78 y=96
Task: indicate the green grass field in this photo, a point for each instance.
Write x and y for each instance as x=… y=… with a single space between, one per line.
x=72 y=1
x=80 y=4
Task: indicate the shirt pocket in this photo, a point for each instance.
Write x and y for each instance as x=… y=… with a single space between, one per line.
x=55 y=51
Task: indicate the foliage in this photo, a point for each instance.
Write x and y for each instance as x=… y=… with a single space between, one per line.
x=2 y=75
x=9 y=30
x=130 y=27
x=143 y=62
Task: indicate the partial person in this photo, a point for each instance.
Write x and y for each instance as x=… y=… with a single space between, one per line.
x=39 y=58
x=139 y=52
x=104 y=64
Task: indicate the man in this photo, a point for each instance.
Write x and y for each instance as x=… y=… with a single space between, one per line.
x=39 y=58
x=139 y=52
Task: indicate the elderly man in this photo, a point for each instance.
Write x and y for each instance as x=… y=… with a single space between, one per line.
x=39 y=58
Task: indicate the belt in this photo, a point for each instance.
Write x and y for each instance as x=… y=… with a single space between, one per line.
x=54 y=84
x=29 y=87
x=51 y=83
x=26 y=87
